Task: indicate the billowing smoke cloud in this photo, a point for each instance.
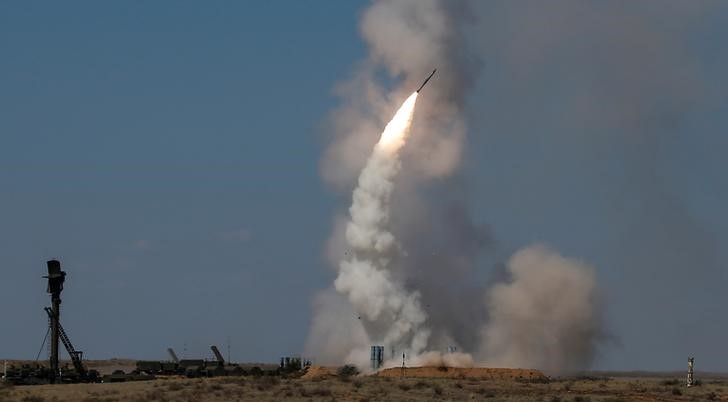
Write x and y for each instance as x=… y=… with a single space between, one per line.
x=335 y=329
x=546 y=316
x=408 y=263
x=609 y=118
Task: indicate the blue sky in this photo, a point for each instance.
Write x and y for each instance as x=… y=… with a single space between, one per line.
x=168 y=154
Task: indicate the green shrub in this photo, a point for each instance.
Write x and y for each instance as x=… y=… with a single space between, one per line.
x=676 y=391
x=344 y=372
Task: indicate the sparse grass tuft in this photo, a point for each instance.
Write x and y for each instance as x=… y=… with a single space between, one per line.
x=404 y=386
x=486 y=393
x=347 y=371
x=266 y=383
x=421 y=384
x=437 y=389
x=175 y=386
x=321 y=391
x=155 y=395
x=676 y=391
x=318 y=391
x=97 y=399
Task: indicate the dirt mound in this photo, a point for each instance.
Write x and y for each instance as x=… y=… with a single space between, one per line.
x=319 y=372
x=463 y=372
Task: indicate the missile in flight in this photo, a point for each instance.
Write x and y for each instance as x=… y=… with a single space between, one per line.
x=428 y=78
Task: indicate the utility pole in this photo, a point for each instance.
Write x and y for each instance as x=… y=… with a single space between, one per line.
x=56 y=277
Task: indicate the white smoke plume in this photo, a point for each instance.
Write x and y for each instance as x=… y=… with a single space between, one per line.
x=392 y=315
x=407 y=39
x=546 y=316
x=405 y=259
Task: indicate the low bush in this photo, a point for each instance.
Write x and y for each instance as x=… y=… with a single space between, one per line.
x=421 y=384
x=486 y=392
x=174 y=386
x=344 y=372
x=156 y=395
x=318 y=391
x=266 y=383
x=321 y=391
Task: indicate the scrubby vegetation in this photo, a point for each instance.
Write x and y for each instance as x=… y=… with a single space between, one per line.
x=358 y=387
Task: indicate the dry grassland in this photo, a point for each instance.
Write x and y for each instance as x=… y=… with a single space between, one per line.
x=373 y=388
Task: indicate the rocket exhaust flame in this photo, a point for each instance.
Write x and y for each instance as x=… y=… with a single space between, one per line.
x=395 y=133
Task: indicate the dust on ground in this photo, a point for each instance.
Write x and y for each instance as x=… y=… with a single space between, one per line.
x=319 y=372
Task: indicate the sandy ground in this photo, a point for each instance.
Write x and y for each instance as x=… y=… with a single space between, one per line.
x=379 y=388
x=464 y=372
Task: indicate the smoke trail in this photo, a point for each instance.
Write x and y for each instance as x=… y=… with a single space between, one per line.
x=406 y=40
x=391 y=314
